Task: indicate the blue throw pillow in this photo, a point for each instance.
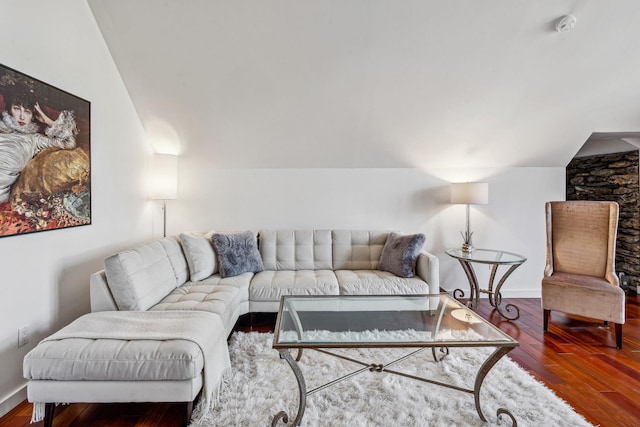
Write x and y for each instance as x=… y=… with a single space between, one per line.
x=400 y=254
x=237 y=253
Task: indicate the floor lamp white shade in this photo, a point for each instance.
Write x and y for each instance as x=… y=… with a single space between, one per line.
x=469 y=193
x=164 y=177
x=164 y=182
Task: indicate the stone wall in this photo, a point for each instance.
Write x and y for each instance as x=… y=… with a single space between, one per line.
x=613 y=177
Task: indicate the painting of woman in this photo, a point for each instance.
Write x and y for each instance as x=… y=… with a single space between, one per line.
x=44 y=156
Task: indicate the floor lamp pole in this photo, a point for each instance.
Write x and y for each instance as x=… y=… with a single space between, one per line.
x=164 y=218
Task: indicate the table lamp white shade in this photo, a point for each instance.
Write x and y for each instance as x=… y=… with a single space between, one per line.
x=164 y=177
x=470 y=193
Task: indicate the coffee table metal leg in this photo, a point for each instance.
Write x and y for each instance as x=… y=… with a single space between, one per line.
x=302 y=387
x=302 y=390
x=298 y=325
x=444 y=351
x=484 y=370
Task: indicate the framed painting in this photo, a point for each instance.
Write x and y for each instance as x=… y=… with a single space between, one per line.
x=45 y=156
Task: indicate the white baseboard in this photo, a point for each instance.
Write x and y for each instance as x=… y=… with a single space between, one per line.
x=520 y=293
x=13 y=400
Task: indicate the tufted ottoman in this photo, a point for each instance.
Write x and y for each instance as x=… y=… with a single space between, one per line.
x=145 y=359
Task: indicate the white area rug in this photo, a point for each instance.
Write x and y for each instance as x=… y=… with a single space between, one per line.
x=261 y=384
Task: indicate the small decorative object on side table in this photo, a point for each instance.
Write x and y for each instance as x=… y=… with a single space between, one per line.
x=494 y=258
x=467 y=246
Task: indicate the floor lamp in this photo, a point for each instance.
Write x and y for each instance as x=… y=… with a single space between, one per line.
x=164 y=182
x=469 y=193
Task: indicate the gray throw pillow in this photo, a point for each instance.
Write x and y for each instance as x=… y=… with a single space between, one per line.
x=237 y=253
x=400 y=254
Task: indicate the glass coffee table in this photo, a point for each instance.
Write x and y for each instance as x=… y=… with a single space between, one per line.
x=415 y=322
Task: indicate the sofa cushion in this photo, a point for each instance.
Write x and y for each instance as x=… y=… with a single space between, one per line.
x=201 y=258
x=240 y=281
x=140 y=277
x=296 y=249
x=582 y=288
x=378 y=282
x=177 y=258
x=82 y=359
x=270 y=285
x=357 y=249
x=212 y=296
x=237 y=253
x=400 y=253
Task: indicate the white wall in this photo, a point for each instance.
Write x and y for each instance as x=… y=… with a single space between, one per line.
x=408 y=200
x=45 y=275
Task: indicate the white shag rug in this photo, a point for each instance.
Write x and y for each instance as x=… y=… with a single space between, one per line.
x=261 y=384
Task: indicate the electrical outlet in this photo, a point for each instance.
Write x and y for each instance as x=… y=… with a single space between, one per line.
x=23 y=335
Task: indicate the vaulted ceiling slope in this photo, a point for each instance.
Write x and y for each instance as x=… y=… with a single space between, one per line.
x=378 y=83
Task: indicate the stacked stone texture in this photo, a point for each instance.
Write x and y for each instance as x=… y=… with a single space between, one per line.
x=613 y=177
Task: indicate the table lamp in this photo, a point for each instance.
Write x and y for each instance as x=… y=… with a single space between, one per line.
x=469 y=193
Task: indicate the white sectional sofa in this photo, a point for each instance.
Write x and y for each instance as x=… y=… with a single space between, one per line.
x=296 y=262
x=182 y=273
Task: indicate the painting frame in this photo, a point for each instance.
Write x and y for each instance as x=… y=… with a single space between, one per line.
x=45 y=156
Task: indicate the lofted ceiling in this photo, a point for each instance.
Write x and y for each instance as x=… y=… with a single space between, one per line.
x=377 y=83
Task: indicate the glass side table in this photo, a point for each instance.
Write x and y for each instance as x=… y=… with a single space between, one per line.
x=496 y=259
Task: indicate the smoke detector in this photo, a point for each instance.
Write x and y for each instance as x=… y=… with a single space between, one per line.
x=565 y=23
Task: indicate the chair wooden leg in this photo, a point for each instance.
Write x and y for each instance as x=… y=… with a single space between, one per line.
x=618 y=327
x=49 y=409
x=545 y=319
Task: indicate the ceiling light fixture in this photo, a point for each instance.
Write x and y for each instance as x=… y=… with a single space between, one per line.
x=565 y=23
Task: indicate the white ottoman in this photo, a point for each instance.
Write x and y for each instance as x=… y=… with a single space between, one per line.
x=105 y=370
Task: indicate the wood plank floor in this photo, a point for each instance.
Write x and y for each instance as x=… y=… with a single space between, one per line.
x=577 y=359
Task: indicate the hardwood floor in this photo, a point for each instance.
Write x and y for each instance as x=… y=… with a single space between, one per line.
x=577 y=359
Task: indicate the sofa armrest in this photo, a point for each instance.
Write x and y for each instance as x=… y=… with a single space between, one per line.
x=428 y=269
x=99 y=293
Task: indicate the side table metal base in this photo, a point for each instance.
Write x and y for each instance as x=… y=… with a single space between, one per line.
x=495 y=297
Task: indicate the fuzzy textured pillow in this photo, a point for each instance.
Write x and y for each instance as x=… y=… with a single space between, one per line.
x=400 y=254
x=199 y=254
x=237 y=253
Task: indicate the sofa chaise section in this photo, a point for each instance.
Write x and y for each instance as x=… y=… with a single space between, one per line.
x=128 y=356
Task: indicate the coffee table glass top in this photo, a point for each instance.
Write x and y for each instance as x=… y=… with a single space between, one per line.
x=382 y=321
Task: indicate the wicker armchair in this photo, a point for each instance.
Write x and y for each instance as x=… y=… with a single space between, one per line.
x=580 y=277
